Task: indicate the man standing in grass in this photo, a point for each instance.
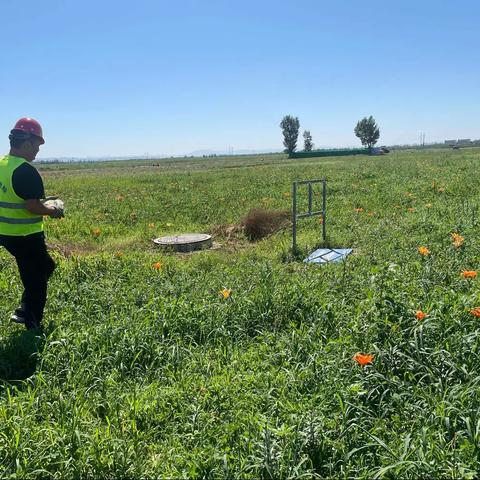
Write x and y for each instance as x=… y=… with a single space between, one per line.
x=21 y=219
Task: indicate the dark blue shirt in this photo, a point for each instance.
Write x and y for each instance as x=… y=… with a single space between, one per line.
x=27 y=182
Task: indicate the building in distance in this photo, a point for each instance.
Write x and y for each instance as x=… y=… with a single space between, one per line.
x=459 y=142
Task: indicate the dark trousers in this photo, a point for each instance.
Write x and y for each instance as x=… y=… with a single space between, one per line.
x=35 y=266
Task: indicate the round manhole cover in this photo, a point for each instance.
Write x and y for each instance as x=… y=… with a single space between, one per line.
x=186 y=242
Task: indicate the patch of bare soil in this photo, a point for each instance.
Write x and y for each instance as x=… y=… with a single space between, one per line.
x=228 y=232
x=68 y=251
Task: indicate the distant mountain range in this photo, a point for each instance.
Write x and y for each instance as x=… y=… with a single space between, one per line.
x=229 y=152
x=200 y=153
x=196 y=153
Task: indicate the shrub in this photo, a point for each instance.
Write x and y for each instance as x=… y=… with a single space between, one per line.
x=260 y=223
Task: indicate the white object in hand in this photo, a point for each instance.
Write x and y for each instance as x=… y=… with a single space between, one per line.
x=57 y=203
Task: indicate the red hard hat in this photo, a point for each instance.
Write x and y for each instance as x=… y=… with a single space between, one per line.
x=29 y=125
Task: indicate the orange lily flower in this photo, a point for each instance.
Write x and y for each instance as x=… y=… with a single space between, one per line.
x=420 y=315
x=225 y=293
x=423 y=251
x=457 y=240
x=363 y=359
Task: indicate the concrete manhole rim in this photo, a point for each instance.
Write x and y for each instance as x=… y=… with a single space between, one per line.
x=182 y=239
x=187 y=242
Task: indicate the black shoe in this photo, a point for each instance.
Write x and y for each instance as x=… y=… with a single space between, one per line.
x=20 y=311
x=31 y=323
x=16 y=318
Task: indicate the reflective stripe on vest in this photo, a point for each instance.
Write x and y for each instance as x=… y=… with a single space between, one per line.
x=20 y=221
x=12 y=205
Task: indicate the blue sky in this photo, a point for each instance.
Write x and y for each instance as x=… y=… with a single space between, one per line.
x=131 y=77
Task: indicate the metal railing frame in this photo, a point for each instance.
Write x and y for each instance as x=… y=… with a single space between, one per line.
x=297 y=216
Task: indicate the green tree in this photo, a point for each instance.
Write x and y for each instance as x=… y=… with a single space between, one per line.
x=368 y=132
x=290 y=127
x=307 y=139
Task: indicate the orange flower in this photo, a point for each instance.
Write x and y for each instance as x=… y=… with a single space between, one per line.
x=457 y=240
x=411 y=209
x=157 y=266
x=420 y=315
x=469 y=274
x=359 y=209
x=96 y=232
x=423 y=251
x=475 y=312
x=225 y=293
x=363 y=359
x=119 y=254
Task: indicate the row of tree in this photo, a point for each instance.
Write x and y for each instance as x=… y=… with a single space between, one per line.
x=366 y=130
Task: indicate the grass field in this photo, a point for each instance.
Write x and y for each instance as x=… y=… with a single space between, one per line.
x=145 y=370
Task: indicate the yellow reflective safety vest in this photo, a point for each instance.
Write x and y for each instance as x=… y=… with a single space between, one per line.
x=15 y=219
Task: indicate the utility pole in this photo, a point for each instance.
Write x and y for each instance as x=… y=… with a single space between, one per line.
x=422 y=139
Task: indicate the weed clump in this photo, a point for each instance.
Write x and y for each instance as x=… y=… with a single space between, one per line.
x=260 y=223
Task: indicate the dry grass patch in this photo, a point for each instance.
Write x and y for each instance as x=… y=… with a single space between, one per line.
x=260 y=223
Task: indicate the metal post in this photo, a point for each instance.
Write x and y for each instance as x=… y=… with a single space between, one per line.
x=297 y=216
x=324 y=209
x=294 y=217
x=309 y=198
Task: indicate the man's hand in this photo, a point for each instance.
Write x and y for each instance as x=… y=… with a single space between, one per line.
x=38 y=208
x=56 y=212
x=57 y=206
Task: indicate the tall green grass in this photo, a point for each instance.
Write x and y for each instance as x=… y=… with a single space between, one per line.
x=152 y=373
